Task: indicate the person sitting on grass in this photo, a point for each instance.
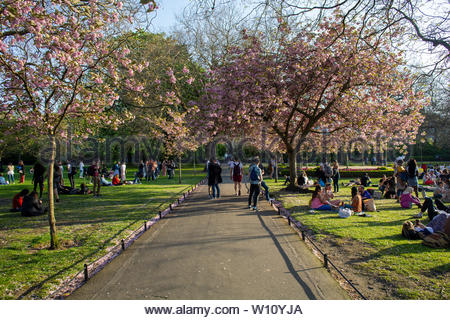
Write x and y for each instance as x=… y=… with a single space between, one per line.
x=287 y=180
x=116 y=181
x=432 y=211
x=319 y=203
x=365 y=180
x=406 y=199
x=17 y=201
x=104 y=182
x=84 y=189
x=365 y=194
x=2 y=179
x=32 y=206
x=356 y=200
x=389 y=191
x=443 y=191
x=328 y=195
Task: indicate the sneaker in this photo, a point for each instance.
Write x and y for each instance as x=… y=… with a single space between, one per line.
x=255 y=209
x=249 y=206
x=419 y=215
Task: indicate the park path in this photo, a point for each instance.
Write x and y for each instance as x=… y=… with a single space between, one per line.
x=215 y=249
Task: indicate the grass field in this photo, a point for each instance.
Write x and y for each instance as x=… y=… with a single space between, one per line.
x=374 y=248
x=86 y=227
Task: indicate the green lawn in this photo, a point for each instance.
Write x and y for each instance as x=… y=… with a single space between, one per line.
x=413 y=270
x=86 y=227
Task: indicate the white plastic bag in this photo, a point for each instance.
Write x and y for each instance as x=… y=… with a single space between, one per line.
x=344 y=212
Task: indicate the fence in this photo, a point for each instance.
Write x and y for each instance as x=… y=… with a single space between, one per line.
x=90 y=269
x=300 y=229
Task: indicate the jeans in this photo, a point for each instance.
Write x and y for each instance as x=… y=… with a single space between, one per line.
x=266 y=188
x=215 y=188
x=428 y=206
x=97 y=184
x=254 y=193
x=325 y=207
x=10 y=178
x=336 y=184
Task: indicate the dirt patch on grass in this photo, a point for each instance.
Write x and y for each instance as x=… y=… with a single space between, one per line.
x=350 y=255
x=347 y=255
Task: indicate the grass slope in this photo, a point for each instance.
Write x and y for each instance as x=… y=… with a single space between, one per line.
x=374 y=245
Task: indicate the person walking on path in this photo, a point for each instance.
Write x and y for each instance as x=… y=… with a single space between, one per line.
x=214 y=177
x=255 y=178
x=236 y=175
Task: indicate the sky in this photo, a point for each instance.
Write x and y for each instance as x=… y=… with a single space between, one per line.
x=165 y=15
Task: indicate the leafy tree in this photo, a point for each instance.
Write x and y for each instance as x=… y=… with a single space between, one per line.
x=313 y=83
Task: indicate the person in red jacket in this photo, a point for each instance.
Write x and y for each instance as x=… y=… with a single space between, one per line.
x=18 y=200
x=116 y=180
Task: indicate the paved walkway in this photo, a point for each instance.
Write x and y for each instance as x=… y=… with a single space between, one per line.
x=215 y=249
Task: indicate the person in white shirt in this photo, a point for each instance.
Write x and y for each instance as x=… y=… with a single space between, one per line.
x=81 y=169
x=123 y=171
x=236 y=174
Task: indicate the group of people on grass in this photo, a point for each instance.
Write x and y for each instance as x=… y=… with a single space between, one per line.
x=97 y=172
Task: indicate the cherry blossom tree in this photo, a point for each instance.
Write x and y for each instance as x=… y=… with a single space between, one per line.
x=329 y=81
x=59 y=65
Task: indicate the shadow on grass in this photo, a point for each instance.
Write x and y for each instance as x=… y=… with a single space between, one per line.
x=416 y=248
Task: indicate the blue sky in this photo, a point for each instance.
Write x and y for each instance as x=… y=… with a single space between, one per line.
x=165 y=15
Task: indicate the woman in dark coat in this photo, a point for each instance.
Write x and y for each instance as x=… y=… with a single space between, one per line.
x=214 y=177
x=32 y=206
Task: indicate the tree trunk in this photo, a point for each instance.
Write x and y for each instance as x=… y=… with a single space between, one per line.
x=51 y=202
x=276 y=167
x=179 y=169
x=195 y=170
x=292 y=169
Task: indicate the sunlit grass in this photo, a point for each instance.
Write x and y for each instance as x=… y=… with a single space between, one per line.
x=86 y=227
x=414 y=270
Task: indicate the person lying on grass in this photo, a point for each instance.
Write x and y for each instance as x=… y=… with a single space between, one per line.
x=432 y=211
x=319 y=203
x=407 y=199
x=17 y=201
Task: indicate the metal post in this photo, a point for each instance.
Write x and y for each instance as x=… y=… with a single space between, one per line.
x=170 y=207
x=123 y=244
x=86 y=274
x=289 y=220
x=303 y=235
x=159 y=215
x=325 y=261
x=145 y=225
x=279 y=211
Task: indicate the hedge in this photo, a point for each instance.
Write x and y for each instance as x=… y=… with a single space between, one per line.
x=311 y=173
